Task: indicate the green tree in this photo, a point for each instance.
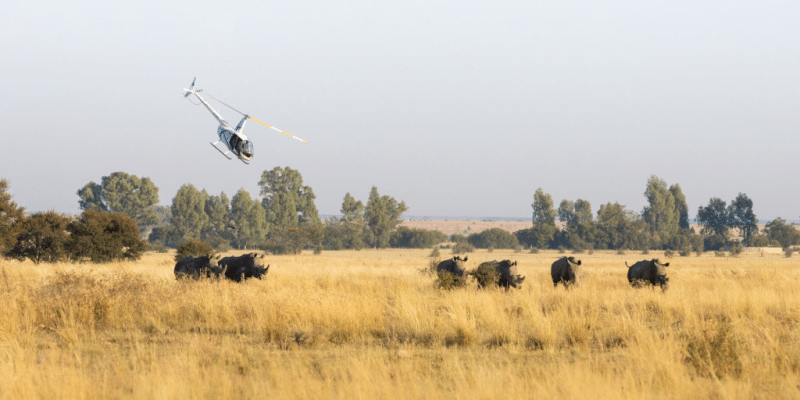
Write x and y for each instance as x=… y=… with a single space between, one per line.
x=286 y=200
x=680 y=206
x=217 y=231
x=249 y=219
x=783 y=232
x=544 y=220
x=413 y=238
x=741 y=216
x=41 y=237
x=10 y=215
x=661 y=216
x=382 y=215
x=121 y=192
x=103 y=237
x=352 y=223
x=619 y=228
x=715 y=221
x=188 y=213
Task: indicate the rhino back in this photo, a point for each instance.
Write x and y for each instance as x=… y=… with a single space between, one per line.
x=642 y=270
x=560 y=270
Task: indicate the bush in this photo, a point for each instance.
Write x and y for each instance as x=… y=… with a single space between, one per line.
x=193 y=248
x=669 y=253
x=462 y=247
x=41 y=237
x=412 y=238
x=493 y=238
x=103 y=236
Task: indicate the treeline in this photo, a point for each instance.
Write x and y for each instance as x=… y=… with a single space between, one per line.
x=120 y=218
x=662 y=225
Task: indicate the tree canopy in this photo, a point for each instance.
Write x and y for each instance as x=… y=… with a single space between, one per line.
x=10 y=215
x=121 y=192
x=286 y=200
x=382 y=215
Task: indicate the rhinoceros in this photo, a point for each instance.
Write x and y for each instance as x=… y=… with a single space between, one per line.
x=198 y=267
x=452 y=270
x=651 y=272
x=499 y=273
x=566 y=270
x=245 y=266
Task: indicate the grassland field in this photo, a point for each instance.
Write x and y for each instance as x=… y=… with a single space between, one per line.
x=370 y=325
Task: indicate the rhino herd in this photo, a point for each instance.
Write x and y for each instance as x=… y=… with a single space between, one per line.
x=215 y=267
x=565 y=270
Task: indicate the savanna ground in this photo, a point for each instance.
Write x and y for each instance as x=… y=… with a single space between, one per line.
x=367 y=324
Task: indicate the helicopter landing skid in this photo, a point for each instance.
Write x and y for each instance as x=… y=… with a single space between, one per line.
x=224 y=153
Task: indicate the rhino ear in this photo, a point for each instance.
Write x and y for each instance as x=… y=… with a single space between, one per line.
x=515 y=263
x=465 y=258
x=579 y=262
x=666 y=265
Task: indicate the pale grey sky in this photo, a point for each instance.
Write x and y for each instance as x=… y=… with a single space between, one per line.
x=460 y=108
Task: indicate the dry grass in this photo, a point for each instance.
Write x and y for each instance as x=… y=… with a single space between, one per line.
x=368 y=325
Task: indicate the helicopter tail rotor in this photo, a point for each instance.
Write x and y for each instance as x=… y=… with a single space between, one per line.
x=272 y=127
x=190 y=90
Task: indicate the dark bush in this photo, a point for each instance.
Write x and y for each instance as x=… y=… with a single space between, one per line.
x=41 y=237
x=193 y=248
x=462 y=247
x=102 y=236
x=412 y=238
x=493 y=238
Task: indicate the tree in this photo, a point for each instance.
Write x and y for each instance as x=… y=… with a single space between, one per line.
x=41 y=237
x=10 y=215
x=579 y=230
x=103 y=237
x=217 y=231
x=121 y=192
x=188 y=213
x=544 y=219
x=286 y=200
x=716 y=222
x=352 y=223
x=680 y=206
x=783 y=232
x=249 y=219
x=619 y=228
x=413 y=238
x=382 y=215
x=660 y=215
x=741 y=216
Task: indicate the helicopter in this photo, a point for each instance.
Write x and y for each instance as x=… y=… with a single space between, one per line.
x=235 y=141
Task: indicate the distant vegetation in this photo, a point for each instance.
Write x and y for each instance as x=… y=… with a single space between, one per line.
x=123 y=208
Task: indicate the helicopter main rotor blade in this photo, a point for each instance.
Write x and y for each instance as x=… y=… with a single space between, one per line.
x=272 y=127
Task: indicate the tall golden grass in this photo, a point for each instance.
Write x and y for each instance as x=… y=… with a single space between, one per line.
x=369 y=324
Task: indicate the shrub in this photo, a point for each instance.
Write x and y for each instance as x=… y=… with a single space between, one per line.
x=102 y=236
x=669 y=253
x=494 y=238
x=462 y=247
x=413 y=238
x=41 y=237
x=193 y=248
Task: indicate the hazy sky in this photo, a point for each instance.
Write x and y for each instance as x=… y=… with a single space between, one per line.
x=460 y=108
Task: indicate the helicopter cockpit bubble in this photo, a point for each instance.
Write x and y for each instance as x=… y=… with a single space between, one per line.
x=246 y=148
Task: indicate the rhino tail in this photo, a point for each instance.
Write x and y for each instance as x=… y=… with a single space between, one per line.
x=626 y=264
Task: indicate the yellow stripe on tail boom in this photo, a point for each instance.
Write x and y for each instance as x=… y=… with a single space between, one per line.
x=283 y=132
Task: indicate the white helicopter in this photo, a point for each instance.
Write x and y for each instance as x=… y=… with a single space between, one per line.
x=236 y=142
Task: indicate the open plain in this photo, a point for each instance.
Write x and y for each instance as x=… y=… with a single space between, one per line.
x=370 y=324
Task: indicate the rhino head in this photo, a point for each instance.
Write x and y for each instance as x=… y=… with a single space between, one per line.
x=661 y=273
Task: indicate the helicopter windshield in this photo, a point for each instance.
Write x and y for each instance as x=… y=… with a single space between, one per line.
x=247 y=148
